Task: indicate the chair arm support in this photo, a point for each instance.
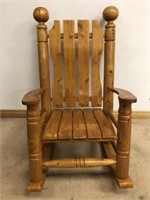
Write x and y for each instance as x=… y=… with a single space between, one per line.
x=32 y=97
x=124 y=95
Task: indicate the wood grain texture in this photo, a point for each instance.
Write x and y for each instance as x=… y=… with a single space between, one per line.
x=51 y=130
x=124 y=139
x=47 y=152
x=93 y=130
x=43 y=55
x=83 y=62
x=79 y=128
x=55 y=48
x=97 y=47
x=124 y=95
x=113 y=119
x=69 y=63
x=79 y=124
x=69 y=125
x=109 y=65
x=65 y=128
x=36 y=186
x=125 y=183
x=79 y=162
x=75 y=35
x=110 y=152
x=105 y=125
x=34 y=120
x=32 y=97
x=34 y=143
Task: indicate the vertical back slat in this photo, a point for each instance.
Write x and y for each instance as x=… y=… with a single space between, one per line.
x=55 y=47
x=97 y=46
x=69 y=62
x=83 y=62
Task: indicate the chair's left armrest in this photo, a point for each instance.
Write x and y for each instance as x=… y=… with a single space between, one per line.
x=124 y=95
x=126 y=98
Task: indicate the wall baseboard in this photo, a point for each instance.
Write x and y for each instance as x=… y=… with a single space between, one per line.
x=13 y=113
x=138 y=114
x=22 y=114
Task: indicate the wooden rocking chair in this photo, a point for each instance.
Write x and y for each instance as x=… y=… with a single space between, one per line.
x=71 y=109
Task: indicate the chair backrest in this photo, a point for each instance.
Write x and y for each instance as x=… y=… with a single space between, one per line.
x=75 y=83
x=76 y=79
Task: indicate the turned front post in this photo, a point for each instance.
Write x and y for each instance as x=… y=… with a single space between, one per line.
x=41 y=15
x=109 y=14
x=34 y=142
x=124 y=139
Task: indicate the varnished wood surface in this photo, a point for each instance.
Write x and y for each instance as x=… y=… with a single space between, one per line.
x=83 y=62
x=65 y=128
x=34 y=142
x=32 y=97
x=113 y=119
x=43 y=54
x=93 y=129
x=78 y=124
x=79 y=162
x=110 y=14
x=105 y=124
x=49 y=126
x=55 y=49
x=47 y=151
x=111 y=154
x=79 y=127
x=75 y=35
x=76 y=78
x=124 y=94
x=124 y=139
x=36 y=186
x=53 y=125
x=97 y=47
x=69 y=62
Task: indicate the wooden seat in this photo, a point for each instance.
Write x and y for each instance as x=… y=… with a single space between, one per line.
x=78 y=124
x=73 y=105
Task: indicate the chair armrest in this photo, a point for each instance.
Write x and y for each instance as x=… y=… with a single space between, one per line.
x=124 y=95
x=32 y=97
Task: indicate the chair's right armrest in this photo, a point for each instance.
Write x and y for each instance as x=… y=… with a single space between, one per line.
x=32 y=97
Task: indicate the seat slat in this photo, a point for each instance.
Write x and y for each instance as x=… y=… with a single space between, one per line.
x=69 y=62
x=79 y=125
x=97 y=46
x=51 y=129
x=105 y=125
x=65 y=128
x=79 y=128
x=55 y=48
x=83 y=62
x=93 y=129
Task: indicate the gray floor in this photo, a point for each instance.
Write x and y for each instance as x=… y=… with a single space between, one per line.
x=72 y=184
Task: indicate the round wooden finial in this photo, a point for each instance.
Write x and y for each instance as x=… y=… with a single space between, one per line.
x=41 y=14
x=110 y=13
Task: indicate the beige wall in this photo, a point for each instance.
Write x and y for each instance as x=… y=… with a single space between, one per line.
x=19 y=66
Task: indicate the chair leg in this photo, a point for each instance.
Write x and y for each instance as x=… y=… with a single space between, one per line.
x=34 y=148
x=123 y=145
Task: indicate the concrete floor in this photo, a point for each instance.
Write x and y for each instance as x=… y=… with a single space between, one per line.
x=72 y=184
